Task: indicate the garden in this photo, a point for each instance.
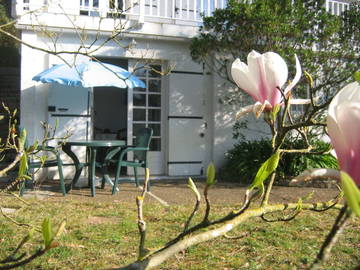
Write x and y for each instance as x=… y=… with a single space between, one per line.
x=284 y=62
x=100 y=232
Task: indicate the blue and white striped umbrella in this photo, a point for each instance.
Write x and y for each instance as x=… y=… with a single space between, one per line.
x=90 y=74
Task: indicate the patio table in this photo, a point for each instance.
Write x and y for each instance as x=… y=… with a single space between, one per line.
x=91 y=147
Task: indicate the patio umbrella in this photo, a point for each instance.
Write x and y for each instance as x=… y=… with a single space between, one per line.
x=89 y=74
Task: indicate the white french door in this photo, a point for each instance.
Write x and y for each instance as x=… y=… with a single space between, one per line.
x=146 y=110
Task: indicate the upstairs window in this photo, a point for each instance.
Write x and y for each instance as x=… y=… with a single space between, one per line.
x=89 y=7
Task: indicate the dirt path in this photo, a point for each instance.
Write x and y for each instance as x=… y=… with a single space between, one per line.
x=177 y=192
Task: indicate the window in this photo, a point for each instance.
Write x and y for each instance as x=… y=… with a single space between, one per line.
x=89 y=7
x=26 y=5
x=147 y=104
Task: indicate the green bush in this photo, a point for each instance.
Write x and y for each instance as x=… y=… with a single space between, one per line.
x=244 y=160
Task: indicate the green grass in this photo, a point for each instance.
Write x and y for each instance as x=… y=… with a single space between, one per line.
x=105 y=235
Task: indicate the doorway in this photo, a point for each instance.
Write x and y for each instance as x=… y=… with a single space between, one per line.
x=120 y=113
x=110 y=109
x=147 y=110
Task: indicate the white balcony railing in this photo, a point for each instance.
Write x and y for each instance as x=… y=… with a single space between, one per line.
x=336 y=7
x=149 y=10
x=185 y=10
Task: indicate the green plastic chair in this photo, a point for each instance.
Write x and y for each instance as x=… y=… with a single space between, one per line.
x=53 y=160
x=143 y=138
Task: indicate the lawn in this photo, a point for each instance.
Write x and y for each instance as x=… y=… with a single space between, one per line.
x=103 y=235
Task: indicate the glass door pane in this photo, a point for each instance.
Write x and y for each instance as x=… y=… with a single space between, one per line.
x=147 y=103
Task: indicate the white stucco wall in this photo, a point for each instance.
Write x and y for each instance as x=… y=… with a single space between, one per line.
x=224 y=120
x=33 y=98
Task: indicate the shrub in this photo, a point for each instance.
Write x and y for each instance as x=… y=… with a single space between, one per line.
x=244 y=160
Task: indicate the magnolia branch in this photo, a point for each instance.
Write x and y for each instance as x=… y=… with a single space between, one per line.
x=268 y=189
x=141 y=221
x=11 y=261
x=193 y=187
x=11 y=165
x=249 y=196
x=282 y=219
x=316 y=174
x=59 y=53
x=18 y=223
x=207 y=202
x=160 y=256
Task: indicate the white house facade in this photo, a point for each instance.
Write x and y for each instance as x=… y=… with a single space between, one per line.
x=181 y=101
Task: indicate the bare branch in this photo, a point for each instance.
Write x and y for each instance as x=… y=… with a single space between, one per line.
x=193 y=187
x=268 y=189
x=141 y=221
x=282 y=219
x=207 y=203
x=316 y=174
x=18 y=223
x=163 y=254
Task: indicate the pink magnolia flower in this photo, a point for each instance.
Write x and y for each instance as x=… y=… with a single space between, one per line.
x=261 y=78
x=343 y=124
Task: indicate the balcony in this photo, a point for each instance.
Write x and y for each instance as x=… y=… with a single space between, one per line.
x=186 y=12
x=336 y=7
x=175 y=18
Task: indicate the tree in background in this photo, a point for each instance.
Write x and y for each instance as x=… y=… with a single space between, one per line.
x=327 y=45
x=9 y=48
